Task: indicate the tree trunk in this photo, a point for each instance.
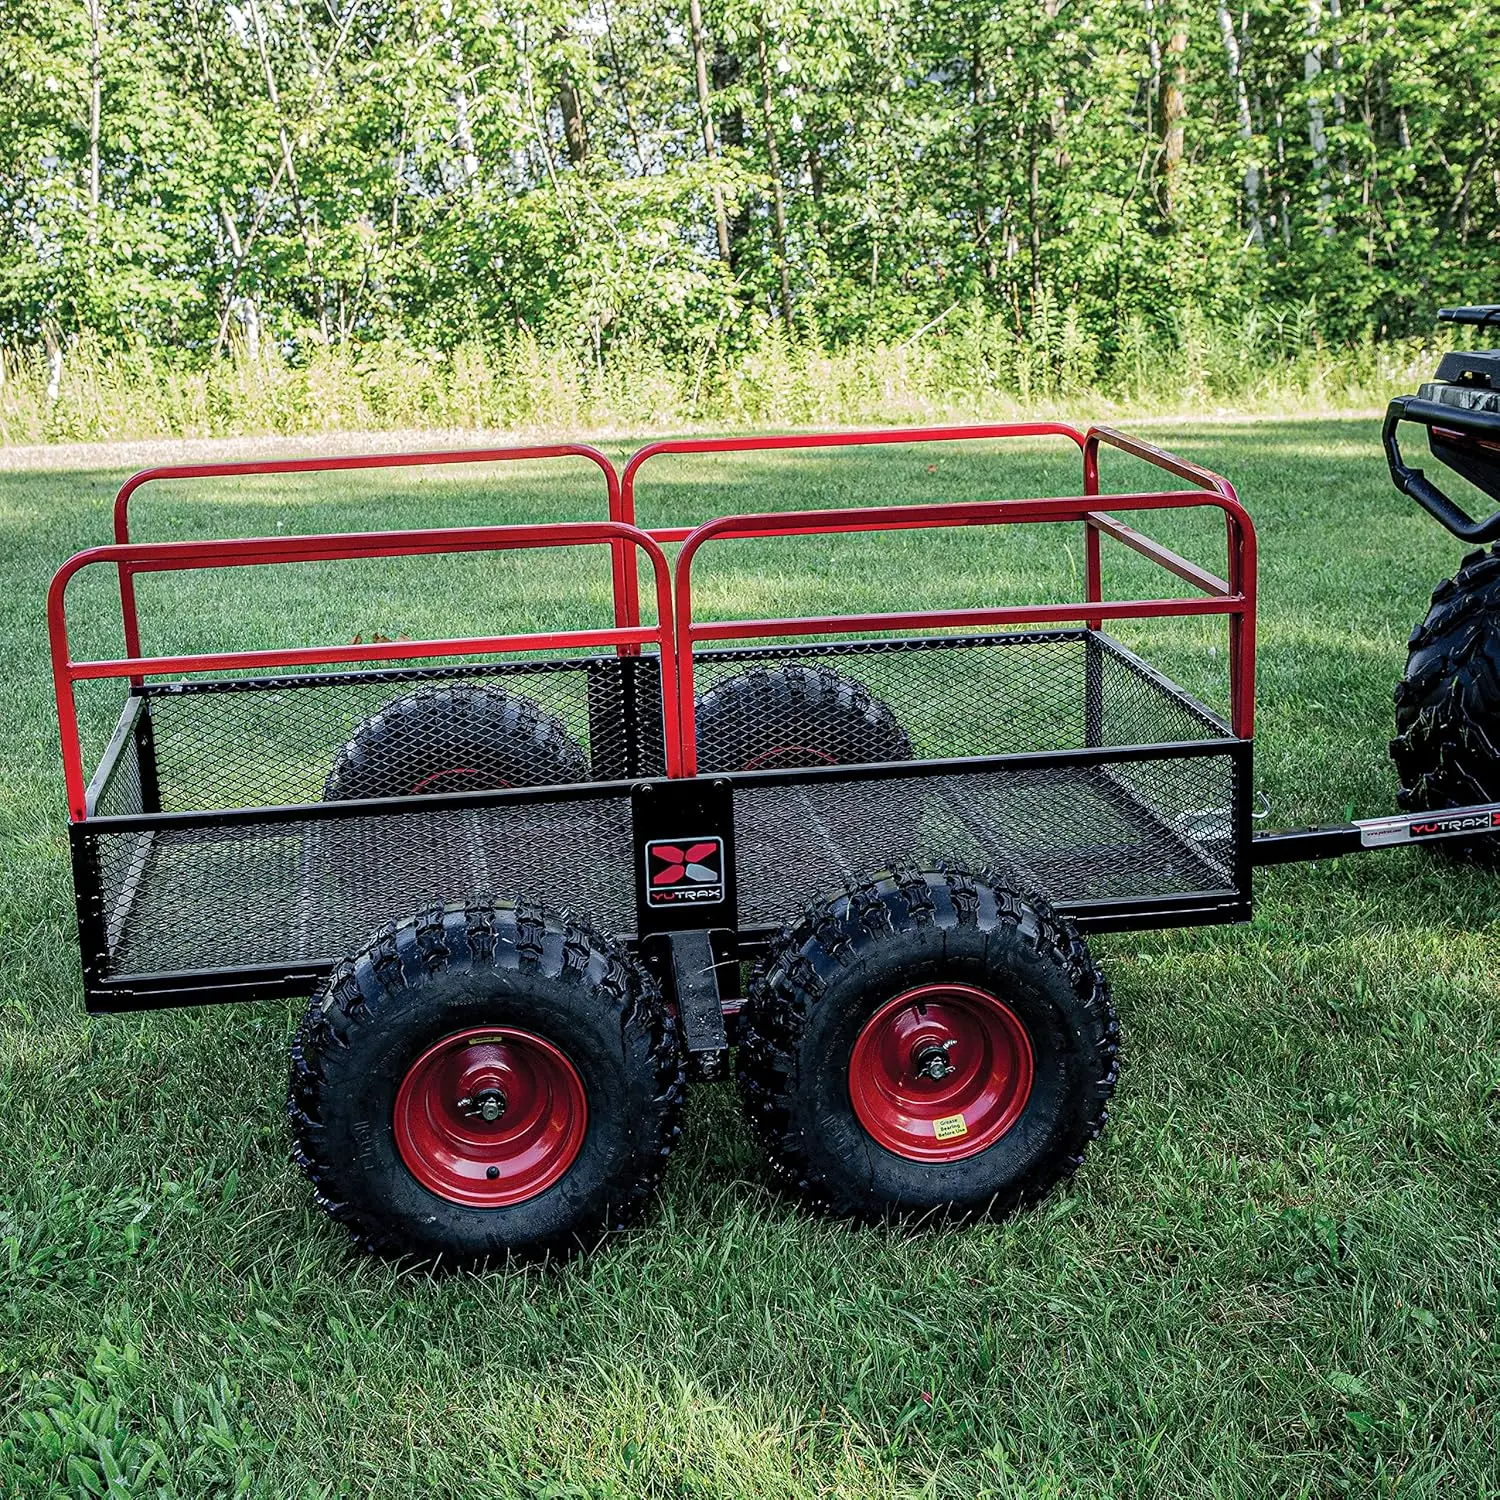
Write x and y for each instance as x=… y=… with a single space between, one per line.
x=570 y=106
x=724 y=74
x=980 y=158
x=1174 y=109
x=1285 y=196
x=574 y=132
x=773 y=165
x=1312 y=68
x=463 y=129
x=624 y=92
x=54 y=366
x=705 y=115
x=1340 y=105
x=1246 y=129
x=1153 y=46
x=1033 y=195
x=96 y=89
x=284 y=137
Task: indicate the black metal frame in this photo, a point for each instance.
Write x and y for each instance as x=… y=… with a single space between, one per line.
x=1437 y=417
x=1460 y=435
x=674 y=945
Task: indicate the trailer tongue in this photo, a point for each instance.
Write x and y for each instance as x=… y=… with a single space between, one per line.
x=1288 y=846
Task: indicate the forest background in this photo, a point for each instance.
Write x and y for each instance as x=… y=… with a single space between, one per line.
x=282 y=215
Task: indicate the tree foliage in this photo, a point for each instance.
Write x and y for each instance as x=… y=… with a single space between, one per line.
x=596 y=173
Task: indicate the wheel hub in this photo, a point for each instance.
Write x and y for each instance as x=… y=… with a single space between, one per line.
x=490 y=1117
x=487 y=1105
x=941 y=1072
x=931 y=1060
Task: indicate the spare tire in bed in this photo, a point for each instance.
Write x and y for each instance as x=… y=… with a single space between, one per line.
x=463 y=737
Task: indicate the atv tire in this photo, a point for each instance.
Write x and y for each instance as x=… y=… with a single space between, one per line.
x=779 y=718
x=484 y=1082
x=1447 y=744
x=462 y=738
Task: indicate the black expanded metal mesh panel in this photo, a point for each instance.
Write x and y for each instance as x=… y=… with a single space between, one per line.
x=1081 y=833
x=275 y=744
x=117 y=792
x=270 y=892
x=963 y=696
x=312 y=889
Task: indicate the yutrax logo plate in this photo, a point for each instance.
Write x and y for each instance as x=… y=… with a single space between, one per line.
x=1436 y=826
x=684 y=872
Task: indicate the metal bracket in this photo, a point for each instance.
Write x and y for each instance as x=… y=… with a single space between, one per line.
x=695 y=984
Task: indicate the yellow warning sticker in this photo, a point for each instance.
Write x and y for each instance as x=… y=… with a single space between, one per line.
x=950 y=1127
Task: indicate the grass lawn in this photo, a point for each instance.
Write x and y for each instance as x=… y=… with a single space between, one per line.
x=1278 y=1272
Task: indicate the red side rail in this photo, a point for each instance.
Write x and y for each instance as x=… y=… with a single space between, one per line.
x=1215 y=597
x=1240 y=544
x=167 y=557
x=622 y=555
x=860 y=439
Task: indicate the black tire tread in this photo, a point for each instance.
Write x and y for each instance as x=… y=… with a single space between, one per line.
x=736 y=711
x=836 y=934
x=554 y=946
x=377 y=759
x=1447 y=744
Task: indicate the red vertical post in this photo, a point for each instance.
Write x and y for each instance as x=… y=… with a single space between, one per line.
x=627 y=515
x=1242 y=577
x=1093 y=571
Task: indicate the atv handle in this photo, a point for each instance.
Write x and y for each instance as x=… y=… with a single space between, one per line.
x=1415 y=483
x=1475 y=317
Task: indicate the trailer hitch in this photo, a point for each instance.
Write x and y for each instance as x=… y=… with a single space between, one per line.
x=1293 y=844
x=693 y=979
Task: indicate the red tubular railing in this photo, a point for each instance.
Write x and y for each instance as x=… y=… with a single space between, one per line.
x=676 y=632
x=166 y=557
x=620 y=552
x=1239 y=542
x=870 y=437
x=1217 y=598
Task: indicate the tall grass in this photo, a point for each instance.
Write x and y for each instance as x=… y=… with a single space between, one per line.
x=966 y=366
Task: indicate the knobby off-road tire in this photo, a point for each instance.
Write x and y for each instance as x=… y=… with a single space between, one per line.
x=461 y=738
x=783 y=717
x=1447 y=745
x=546 y=1012
x=835 y=997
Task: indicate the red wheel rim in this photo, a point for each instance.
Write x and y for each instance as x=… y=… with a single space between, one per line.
x=905 y=1099
x=490 y=1117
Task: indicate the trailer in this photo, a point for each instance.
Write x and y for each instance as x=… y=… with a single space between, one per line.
x=536 y=882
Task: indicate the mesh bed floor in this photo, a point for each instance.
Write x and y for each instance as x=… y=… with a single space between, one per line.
x=310 y=890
